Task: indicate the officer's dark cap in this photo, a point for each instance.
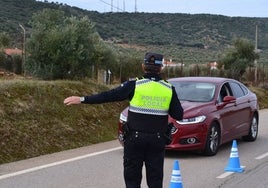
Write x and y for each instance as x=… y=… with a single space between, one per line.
x=153 y=59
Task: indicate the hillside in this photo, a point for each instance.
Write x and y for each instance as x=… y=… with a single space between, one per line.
x=35 y=122
x=183 y=37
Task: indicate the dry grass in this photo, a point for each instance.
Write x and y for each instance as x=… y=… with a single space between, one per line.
x=34 y=121
x=262 y=94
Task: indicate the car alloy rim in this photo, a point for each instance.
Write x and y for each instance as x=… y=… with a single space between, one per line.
x=213 y=139
x=254 y=127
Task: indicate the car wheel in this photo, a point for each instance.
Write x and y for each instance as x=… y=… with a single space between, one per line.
x=213 y=140
x=253 y=130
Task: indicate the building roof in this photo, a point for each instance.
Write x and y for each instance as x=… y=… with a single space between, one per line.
x=13 y=51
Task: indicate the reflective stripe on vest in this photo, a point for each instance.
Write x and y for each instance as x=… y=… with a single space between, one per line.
x=151 y=97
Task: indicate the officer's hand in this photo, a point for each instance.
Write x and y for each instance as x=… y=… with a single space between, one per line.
x=72 y=100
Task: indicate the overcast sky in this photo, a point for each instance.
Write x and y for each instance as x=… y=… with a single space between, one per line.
x=244 y=8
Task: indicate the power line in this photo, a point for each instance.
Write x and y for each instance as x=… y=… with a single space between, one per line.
x=117 y=7
x=112 y=6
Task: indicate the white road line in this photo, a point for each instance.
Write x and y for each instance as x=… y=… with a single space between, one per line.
x=262 y=156
x=224 y=175
x=57 y=163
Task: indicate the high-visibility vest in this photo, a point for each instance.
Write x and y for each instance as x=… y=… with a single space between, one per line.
x=151 y=97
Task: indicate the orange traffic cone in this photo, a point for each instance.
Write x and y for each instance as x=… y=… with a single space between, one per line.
x=234 y=161
x=176 y=181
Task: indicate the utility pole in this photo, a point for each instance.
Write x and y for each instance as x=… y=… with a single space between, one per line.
x=256 y=51
x=136 y=9
x=23 y=48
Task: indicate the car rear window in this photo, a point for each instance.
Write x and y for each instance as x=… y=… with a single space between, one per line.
x=238 y=90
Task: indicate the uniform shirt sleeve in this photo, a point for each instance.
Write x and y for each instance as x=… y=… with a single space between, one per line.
x=175 y=108
x=123 y=92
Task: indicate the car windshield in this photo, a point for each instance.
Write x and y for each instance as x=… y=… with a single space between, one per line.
x=194 y=91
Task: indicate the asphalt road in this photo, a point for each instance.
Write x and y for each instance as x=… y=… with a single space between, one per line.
x=101 y=166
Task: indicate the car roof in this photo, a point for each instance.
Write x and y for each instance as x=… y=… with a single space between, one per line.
x=215 y=80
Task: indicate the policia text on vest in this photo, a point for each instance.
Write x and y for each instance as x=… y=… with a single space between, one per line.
x=153 y=101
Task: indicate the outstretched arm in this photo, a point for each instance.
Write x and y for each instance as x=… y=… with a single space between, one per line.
x=124 y=91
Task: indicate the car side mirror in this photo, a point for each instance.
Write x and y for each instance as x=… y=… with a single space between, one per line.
x=226 y=100
x=229 y=99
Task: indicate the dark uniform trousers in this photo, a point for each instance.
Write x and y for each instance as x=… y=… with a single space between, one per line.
x=147 y=148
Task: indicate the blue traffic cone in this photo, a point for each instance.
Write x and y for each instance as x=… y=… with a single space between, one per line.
x=176 y=181
x=234 y=161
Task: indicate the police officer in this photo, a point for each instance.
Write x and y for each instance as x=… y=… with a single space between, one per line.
x=152 y=99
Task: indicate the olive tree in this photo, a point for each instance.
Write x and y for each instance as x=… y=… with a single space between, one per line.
x=63 y=47
x=238 y=58
x=4 y=39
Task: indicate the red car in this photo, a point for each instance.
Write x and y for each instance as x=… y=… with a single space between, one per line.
x=216 y=111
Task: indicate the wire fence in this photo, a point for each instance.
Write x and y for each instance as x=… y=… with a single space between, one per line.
x=252 y=76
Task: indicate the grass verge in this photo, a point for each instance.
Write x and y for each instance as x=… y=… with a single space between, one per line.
x=34 y=121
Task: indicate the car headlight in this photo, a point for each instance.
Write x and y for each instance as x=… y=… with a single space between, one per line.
x=192 y=120
x=123 y=118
